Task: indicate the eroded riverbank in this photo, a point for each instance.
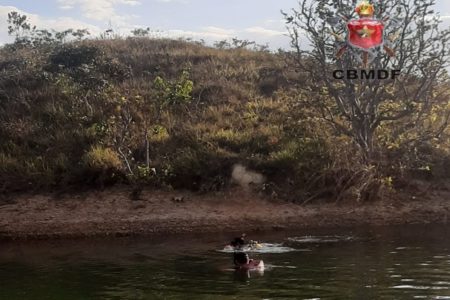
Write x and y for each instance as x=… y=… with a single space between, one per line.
x=112 y=213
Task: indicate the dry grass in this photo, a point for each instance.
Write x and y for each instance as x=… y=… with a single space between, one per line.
x=86 y=124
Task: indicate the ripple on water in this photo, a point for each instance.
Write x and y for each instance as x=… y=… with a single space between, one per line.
x=279 y=266
x=419 y=287
x=321 y=239
x=265 y=248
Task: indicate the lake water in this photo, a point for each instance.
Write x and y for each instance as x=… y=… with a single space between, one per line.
x=410 y=262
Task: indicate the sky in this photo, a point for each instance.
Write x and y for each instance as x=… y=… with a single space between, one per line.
x=211 y=20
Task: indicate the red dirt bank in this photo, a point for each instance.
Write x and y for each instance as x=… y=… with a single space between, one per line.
x=113 y=213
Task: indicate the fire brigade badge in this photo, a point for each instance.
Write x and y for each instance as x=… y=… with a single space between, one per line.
x=365 y=35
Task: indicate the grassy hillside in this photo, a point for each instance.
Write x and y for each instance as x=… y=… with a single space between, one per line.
x=177 y=114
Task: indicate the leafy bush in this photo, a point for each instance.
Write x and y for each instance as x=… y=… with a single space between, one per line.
x=174 y=92
x=102 y=158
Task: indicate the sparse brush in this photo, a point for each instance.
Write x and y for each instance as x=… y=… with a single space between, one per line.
x=178 y=114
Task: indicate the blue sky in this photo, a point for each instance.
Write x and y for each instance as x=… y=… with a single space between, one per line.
x=258 y=20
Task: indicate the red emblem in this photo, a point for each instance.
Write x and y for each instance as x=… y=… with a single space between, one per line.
x=365 y=33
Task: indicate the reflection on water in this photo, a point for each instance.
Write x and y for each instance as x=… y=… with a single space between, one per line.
x=383 y=263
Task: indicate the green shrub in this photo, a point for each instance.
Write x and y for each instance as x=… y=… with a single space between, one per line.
x=99 y=158
x=158 y=134
x=174 y=92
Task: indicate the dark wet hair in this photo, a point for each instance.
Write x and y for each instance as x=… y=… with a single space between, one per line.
x=240 y=258
x=238 y=242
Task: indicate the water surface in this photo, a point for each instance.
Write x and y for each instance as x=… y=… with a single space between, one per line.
x=410 y=262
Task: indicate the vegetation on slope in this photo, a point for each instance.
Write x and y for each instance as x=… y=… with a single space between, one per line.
x=177 y=114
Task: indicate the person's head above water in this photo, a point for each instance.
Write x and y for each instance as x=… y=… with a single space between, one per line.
x=241 y=258
x=239 y=241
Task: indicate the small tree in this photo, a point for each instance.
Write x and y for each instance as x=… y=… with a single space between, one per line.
x=25 y=33
x=355 y=107
x=141 y=32
x=18 y=25
x=173 y=93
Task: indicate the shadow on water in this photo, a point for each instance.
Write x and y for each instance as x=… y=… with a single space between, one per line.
x=410 y=262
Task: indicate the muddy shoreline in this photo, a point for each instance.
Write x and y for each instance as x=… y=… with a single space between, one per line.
x=112 y=213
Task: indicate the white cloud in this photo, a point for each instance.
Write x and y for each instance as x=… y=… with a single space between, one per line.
x=208 y=34
x=101 y=10
x=212 y=34
x=131 y=2
x=264 y=31
x=173 y=1
x=59 y=24
x=218 y=33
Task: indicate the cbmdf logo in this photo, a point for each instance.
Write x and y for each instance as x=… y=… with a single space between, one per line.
x=365 y=40
x=366 y=32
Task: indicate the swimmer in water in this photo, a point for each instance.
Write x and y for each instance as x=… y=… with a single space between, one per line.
x=242 y=261
x=239 y=242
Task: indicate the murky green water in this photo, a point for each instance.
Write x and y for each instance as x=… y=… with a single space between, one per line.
x=383 y=263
